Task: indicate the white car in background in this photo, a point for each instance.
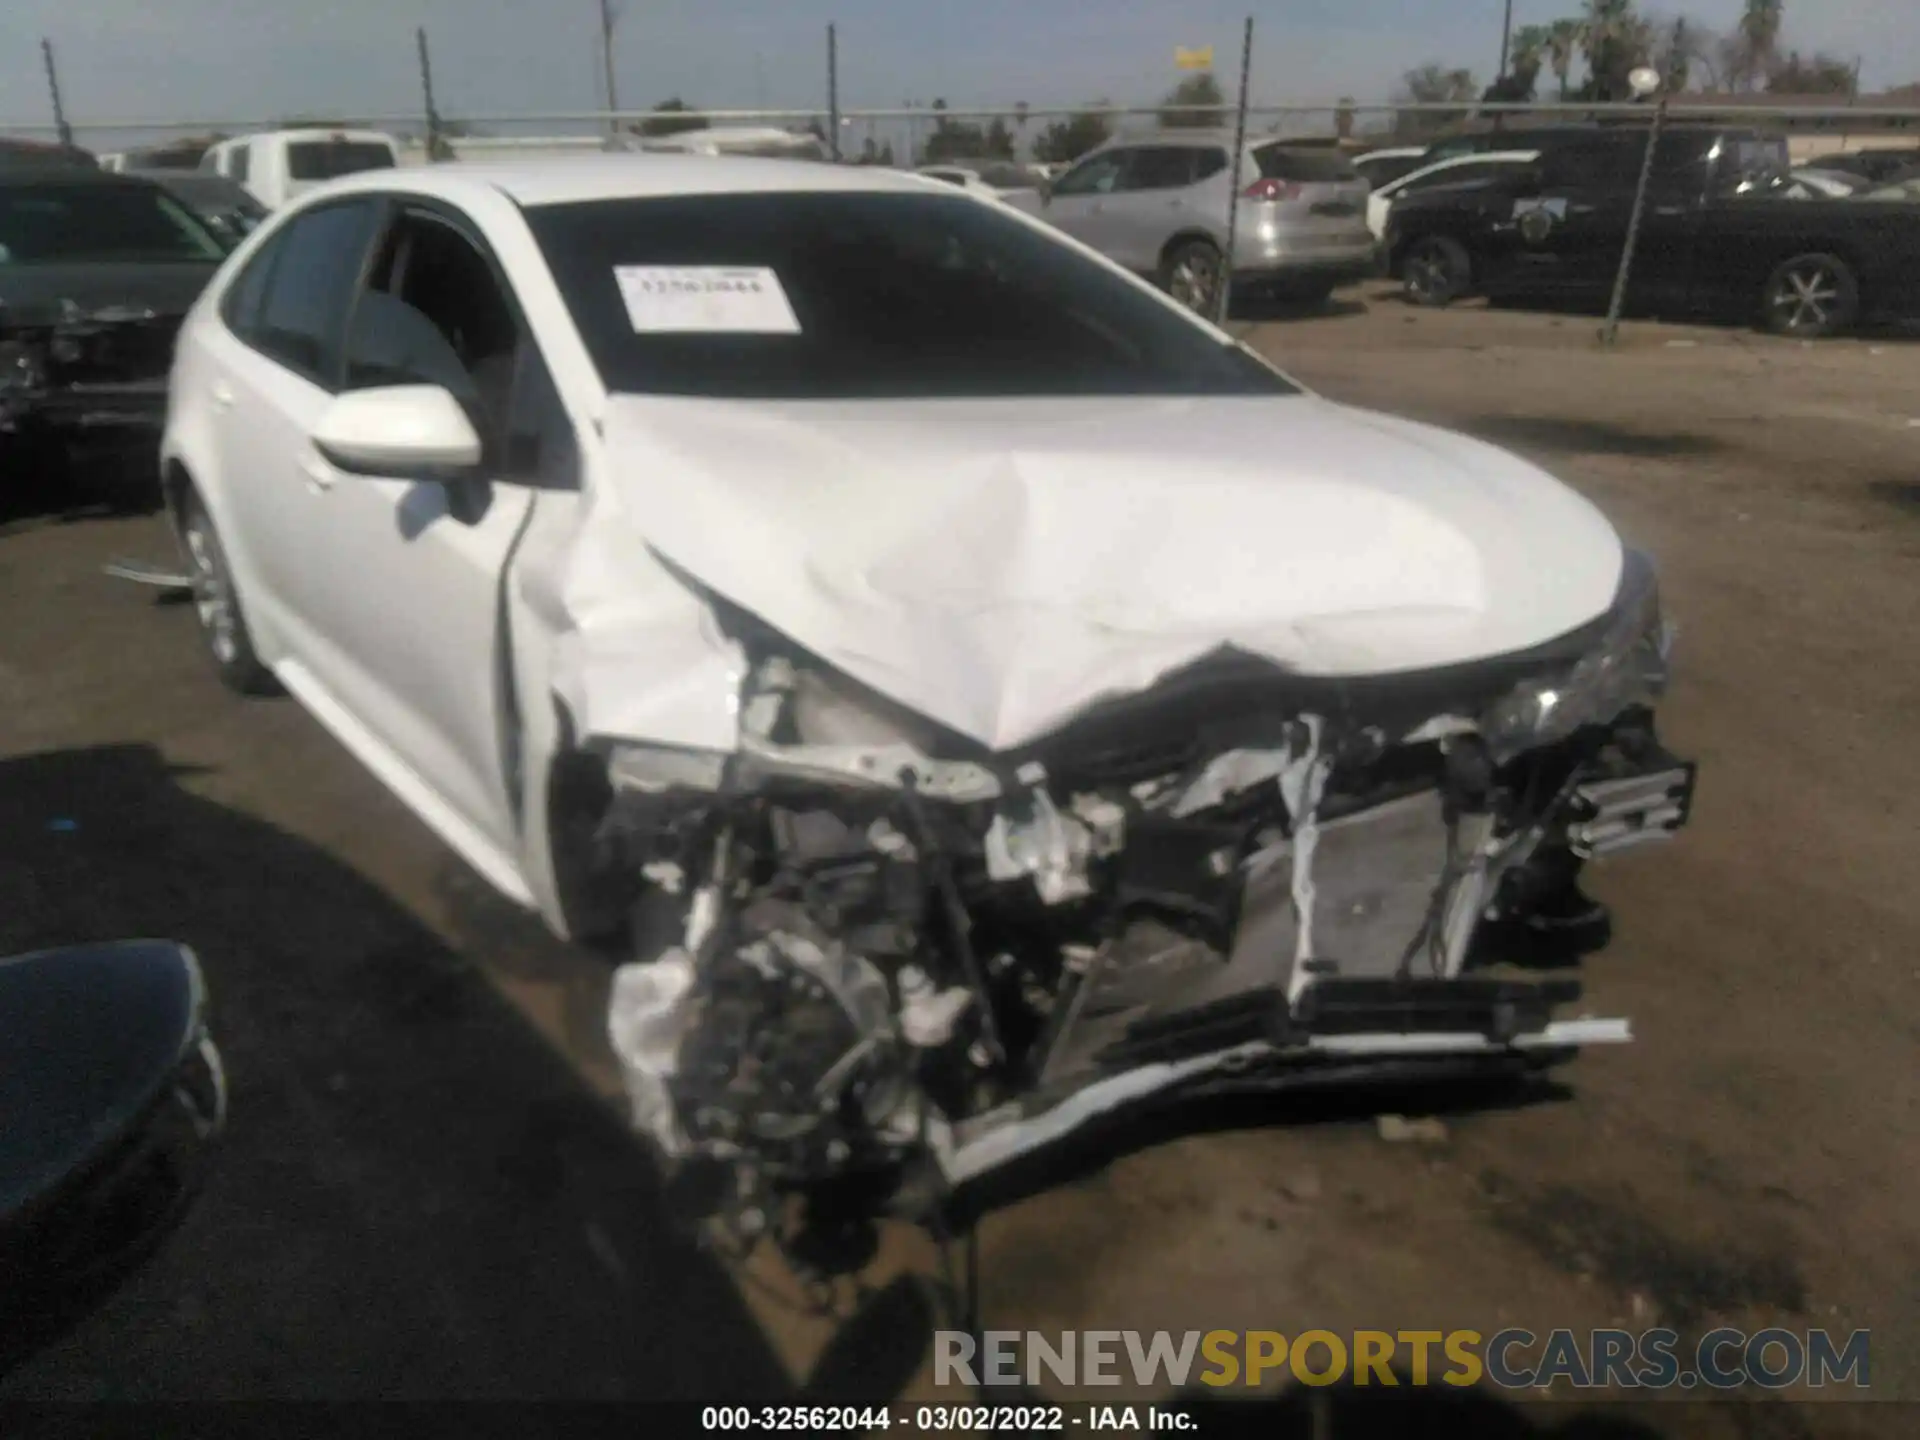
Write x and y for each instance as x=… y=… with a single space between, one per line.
x=970 y=693
x=278 y=165
x=1382 y=167
x=1460 y=170
x=995 y=180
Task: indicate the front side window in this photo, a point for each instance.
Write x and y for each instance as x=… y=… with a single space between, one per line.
x=866 y=295
x=242 y=162
x=1097 y=176
x=316 y=266
x=99 y=224
x=433 y=314
x=330 y=159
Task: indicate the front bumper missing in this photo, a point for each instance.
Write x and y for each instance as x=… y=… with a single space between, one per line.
x=1345 y=1032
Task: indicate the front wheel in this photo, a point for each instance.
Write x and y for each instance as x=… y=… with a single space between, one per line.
x=216 y=604
x=1436 y=271
x=1810 y=296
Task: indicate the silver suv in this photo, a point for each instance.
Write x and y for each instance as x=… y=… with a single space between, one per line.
x=1159 y=206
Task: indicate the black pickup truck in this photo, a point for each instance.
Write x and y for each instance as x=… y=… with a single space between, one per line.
x=96 y=273
x=1714 y=240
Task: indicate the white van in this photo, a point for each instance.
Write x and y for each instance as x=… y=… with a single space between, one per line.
x=276 y=166
x=731 y=140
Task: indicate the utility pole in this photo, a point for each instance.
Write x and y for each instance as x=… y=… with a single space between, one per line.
x=1223 y=284
x=53 y=89
x=1506 y=41
x=606 y=59
x=426 y=86
x=833 y=93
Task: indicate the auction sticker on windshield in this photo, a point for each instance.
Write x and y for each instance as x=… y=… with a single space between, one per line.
x=705 y=299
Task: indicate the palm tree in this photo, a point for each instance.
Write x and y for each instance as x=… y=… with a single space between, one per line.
x=1563 y=43
x=1759 y=30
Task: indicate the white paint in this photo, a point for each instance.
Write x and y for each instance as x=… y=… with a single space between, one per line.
x=999 y=565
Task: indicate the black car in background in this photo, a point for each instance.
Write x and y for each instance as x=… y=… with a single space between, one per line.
x=1715 y=240
x=226 y=207
x=96 y=273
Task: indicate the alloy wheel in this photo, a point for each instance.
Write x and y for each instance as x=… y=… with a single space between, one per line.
x=1194 y=282
x=1806 y=297
x=212 y=592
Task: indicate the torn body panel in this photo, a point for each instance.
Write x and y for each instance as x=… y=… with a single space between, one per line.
x=888 y=958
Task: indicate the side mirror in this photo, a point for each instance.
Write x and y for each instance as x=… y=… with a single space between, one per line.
x=417 y=431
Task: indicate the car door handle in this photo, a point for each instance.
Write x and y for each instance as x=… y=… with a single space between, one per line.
x=222 y=394
x=318 y=473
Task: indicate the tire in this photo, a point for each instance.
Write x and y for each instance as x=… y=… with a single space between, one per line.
x=1435 y=271
x=1810 y=296
x=1190 y=273
x=216 y=604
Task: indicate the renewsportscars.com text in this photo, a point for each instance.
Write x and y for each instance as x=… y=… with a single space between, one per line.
x=1726 y=1359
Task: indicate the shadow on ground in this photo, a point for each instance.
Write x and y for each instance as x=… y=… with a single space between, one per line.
x=415 y=1197
x=46 y=481
x=1562 y=435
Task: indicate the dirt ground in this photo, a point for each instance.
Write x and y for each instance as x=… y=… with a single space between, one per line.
x=420 y=1198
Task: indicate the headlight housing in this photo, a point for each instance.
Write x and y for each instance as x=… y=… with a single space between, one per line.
x=1627 y=667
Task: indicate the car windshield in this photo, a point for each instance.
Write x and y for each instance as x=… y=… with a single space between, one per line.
x=329 y=159
x=64 y=224
x=865 y=295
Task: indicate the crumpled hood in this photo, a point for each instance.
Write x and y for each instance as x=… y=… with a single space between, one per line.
x=1001 y=565
x=52 y=294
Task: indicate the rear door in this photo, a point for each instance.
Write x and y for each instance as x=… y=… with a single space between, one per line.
x=271 y=370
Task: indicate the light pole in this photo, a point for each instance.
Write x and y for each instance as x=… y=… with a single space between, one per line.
x=1506 y=41
x=1644 y=81
x=607 y=18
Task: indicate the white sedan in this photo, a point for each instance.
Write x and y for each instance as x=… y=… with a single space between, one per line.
x=1459 y=170
x=968 y=692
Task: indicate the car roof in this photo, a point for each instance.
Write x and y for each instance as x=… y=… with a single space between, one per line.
x=569 y=179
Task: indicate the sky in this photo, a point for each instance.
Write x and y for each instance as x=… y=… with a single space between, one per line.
x=259 y=60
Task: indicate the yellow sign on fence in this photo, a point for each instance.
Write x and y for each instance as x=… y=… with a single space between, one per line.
x=1201 y=59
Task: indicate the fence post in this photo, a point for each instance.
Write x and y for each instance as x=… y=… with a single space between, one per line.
x=833 y=93
x=1233 y=195
x=426 y=86
x=606 y=60
x=1611 y=331
x=53 y=89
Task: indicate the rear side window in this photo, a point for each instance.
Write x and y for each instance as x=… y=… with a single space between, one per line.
x=1159 y=167
x=1386 y=171
x=1303 y=166
x=330 y=159
x=1590 y=165
x=1209 y=163
x=318 y=264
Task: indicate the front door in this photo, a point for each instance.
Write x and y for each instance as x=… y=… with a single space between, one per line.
x=1078 y=202
x=416 y=618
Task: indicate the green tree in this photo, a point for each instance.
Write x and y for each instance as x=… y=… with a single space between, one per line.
x=1522 y=79
x=1187 y=105
x=1562 y=47
x=671 y=117
x=1067 y=140
x=1616 y=42
x=1431 y=84
x=952 y=139
x=1811 y=75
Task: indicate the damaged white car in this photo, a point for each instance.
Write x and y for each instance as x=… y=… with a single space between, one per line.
x=974 y=697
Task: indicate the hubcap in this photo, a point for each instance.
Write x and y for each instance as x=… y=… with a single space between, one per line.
x=1427 y=274
x=1806 y=297
x=1192 y=284
x=212 y=595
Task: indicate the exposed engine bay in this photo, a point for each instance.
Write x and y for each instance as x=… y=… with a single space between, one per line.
x=872 y=963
